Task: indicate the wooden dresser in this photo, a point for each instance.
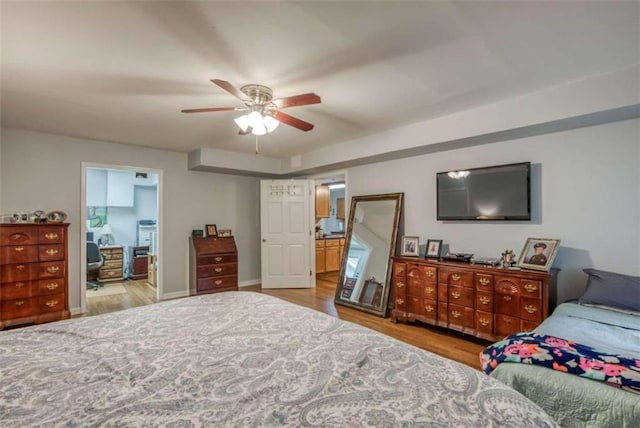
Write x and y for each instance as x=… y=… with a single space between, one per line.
x=113 y=267
x=139 y=262
x=33 y=273
x=213 y=265
x=482 y=301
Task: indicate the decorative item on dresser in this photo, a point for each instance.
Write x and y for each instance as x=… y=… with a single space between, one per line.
x=33 y=273
x=213 y=265
x=483 y=301
x=113 y=267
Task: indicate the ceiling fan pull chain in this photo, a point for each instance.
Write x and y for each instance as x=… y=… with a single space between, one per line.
x=256 y=144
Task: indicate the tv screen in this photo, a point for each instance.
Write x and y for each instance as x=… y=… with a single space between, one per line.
x=501 y=192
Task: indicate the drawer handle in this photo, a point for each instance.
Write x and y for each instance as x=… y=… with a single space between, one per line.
x=20 y=267
x=530 y=287
x=530 y=308
x=507 y=298
x=51 y=251
x=52 y=285
x=428 y=308
x=51 y=235
x=455 y=294
x=429 y=273
x=507 y=321
x=484 y=281
x=484 y=300
x=455 y=277
x=19 y=284
x=51 y=303
x=52 y=269
x=218 y=282
x=399 y=301
x=20 y=303
x=429 y=290
x=218 y=270
x=400 y=284
x=19 y=249
x=484 y=322
x=456 y=314
x=399 y=269
x=218 y=259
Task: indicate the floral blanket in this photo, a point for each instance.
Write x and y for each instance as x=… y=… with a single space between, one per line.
x=565 y=356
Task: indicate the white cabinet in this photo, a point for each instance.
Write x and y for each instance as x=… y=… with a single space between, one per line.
x=120 y=188
x=96 y=187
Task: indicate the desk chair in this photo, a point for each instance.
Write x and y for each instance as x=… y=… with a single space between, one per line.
x=95 y=260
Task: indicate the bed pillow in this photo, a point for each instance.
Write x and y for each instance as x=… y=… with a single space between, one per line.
x=610 y=289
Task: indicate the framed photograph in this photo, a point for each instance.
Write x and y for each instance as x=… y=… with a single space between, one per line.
x=410 y=246
x=224 y=232
x=538 y=253
x=212 y=230
x=434 y=248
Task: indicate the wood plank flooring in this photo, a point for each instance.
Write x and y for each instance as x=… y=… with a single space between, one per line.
x=458 y=347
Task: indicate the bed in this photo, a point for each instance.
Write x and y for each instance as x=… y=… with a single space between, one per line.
x=574 y=401
x=239 y=359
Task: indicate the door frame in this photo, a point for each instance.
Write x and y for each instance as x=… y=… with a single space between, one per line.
x=83 y=226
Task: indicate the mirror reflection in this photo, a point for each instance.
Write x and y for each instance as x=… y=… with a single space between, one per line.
x=371 y=240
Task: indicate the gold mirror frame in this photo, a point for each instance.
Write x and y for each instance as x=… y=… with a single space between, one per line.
x=390 y=251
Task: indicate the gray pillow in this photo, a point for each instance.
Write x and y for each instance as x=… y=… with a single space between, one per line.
x=612 y=289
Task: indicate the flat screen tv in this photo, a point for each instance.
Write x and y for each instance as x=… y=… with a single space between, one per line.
x=501 y=192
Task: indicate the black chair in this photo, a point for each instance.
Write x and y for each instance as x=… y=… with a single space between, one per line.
x=95 y=260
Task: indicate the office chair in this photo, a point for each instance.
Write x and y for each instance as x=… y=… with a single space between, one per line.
x=95 y=260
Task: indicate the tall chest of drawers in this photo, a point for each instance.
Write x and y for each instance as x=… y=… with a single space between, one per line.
x=213 y=265
x=482 y=301
x=33 y=273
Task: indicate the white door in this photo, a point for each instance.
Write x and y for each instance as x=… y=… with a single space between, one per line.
x=285 y=207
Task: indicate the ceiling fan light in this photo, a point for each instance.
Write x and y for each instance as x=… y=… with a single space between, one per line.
x=242 y=122
x=258 y=130
x=270 y=123
x=255 y=120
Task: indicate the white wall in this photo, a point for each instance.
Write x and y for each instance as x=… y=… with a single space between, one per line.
x=586 y=191
x=42 y=171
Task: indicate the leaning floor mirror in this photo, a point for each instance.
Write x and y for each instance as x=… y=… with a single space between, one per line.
x=372 y=234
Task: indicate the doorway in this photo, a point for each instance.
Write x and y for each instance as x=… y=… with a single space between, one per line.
x=121 y=237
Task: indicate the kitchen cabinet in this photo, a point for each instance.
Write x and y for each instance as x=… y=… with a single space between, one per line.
x=320 y=256
x=323 y=201
x=120 y=188
x=332 y=255
x=340 y=208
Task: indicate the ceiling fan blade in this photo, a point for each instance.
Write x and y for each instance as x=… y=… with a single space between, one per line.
x=230 y=88
x=292 y=121
x=204 y=110
x=297 y=100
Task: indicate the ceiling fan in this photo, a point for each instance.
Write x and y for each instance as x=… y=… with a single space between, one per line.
x=264 y=111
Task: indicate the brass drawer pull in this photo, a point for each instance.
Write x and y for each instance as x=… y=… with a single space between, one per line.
x=428 y=308
x=484 y=281
x=51 y=303
x=51 y=235
x=484 y=322
x=20 y=303
x=52 y=251
x=506 y=321
x=530 y=308
x=399 y=269
x=455 y=277
x=52 y=286
x=20 y=267
x=484 y=300
x=429 y=290
x=456 y=314
x=399 y=302
x=218 y=259
x=400 y=284
x=455 y=294
x=429 y=273
x=19 y=249
x=507 y=298
x=218 y=270
x=52 y=269
x=19 y=284
x=218 y=282
x=530 y=287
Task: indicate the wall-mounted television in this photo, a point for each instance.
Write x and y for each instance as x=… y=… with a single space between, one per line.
x=501 y=192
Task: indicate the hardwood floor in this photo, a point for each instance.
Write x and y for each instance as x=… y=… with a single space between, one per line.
x=449 y=344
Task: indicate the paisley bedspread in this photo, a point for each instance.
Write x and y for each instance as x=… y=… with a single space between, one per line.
x=239 y=359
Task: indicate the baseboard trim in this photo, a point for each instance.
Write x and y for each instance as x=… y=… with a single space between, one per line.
x=175 y=295
x=75 y=311
x=250 y=282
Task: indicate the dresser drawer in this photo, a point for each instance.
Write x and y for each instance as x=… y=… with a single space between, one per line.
x=484 y=301
x=332 y=243
x=415 y=287
x=454 y=277
x=222 y=269
x=460 y=295
x=18 y=308
x=51 y=303
x=461 y=316
x=110 y=274
x=421 y=273
x=399 y=287
x=50 y=286
x=50 y=252
x=320 y=243
x=484 y=322
x=506 y=325
x=507 y=285
x=531 y=309
x=484 y=282
x=51 y=235
x=15 y=290
x=18 y=254
x=531 y=288
x=18 y=272
x=219 y=258
x=430 y=292
x=205 y=284
x=429 y=309
x=51 y=270
x=112 y=254
x=112 y=264
x=414 y=305
x=399 y=269
x=18 y=236
x=400 y=303
x=507 y=304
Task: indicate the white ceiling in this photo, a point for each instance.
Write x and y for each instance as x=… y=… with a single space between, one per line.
x=122 y=71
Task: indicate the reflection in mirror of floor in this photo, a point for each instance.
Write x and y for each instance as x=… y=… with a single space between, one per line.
x=116 y=296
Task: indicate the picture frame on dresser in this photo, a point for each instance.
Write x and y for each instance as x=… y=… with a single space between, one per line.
x=538 y=253
x=434 y=248
x=410 y=246
x=212 y=230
